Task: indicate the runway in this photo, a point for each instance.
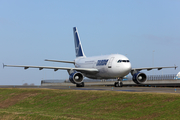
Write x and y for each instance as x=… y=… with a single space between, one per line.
x=105 y=88
x=152 y=83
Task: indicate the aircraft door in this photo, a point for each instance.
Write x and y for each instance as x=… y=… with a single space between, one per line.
x=110 y=62
x=94 y=64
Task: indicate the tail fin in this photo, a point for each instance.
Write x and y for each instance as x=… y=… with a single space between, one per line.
x=77 y=42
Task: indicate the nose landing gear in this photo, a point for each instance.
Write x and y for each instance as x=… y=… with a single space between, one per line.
x=118 y=83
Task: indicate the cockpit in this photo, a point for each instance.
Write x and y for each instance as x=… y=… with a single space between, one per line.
x=119 y=61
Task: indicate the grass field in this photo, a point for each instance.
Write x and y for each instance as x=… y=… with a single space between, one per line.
x=75 y=104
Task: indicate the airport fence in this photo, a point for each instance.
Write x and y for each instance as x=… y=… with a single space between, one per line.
x=149 y=77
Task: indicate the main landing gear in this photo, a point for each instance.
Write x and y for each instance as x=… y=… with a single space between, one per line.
x=118 y=83
x=80 y=85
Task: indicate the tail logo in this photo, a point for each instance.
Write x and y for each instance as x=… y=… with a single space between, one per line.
x=78 y=47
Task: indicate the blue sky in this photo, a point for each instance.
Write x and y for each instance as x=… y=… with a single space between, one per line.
x=31 y=31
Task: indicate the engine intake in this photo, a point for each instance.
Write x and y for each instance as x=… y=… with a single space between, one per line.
x=76 y=78
x=139 y=78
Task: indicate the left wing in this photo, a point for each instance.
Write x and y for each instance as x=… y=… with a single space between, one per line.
x=85 y=70
x=60 y=61
x=150 y=68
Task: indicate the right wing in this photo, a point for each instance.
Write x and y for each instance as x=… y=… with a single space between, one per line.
x=150 y=68
x=135 y=70
x=84 y=70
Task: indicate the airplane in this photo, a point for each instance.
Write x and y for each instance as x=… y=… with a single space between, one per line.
x=114 y=66
x=177 y=76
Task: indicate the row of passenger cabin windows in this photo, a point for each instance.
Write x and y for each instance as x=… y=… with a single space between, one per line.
x=119 y=61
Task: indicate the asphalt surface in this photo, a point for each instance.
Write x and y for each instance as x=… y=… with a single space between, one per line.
x=106 y=88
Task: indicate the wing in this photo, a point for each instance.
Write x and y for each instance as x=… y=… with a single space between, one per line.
x=85 y=70
x=150 y=68
x=60 y=61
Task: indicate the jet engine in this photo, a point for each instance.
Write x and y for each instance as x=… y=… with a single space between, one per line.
x=76 y=77
x=139 y=78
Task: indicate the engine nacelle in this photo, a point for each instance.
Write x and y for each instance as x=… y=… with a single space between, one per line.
x=139 y=78
x=76 y=78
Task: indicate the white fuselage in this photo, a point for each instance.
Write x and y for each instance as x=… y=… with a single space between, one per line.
x=109 y=66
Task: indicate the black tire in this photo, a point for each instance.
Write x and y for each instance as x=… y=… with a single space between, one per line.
x=116 y=84
x=121 y=84
x=80 y=85
x=77 y=85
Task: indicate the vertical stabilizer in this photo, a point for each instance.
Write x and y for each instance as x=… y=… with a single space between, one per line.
x=77 y=42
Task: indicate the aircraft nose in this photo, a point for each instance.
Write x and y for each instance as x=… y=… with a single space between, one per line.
x=127 y=68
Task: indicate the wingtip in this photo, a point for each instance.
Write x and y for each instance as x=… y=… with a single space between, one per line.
x=3 y=65
x=175 y=66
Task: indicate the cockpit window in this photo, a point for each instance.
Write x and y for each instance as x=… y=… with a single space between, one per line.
x=119 y=61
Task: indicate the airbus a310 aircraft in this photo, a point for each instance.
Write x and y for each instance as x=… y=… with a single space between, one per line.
x=114 y=66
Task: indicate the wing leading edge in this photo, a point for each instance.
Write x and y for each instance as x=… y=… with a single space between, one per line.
x=55 y=68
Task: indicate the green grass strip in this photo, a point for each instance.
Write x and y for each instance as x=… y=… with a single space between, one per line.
x=86 y=105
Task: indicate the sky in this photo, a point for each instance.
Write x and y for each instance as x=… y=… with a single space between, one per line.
x=147 y=32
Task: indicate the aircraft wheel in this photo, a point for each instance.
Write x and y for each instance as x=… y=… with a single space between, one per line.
x=80 y=85
x=121 y=84
x=116 y=84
